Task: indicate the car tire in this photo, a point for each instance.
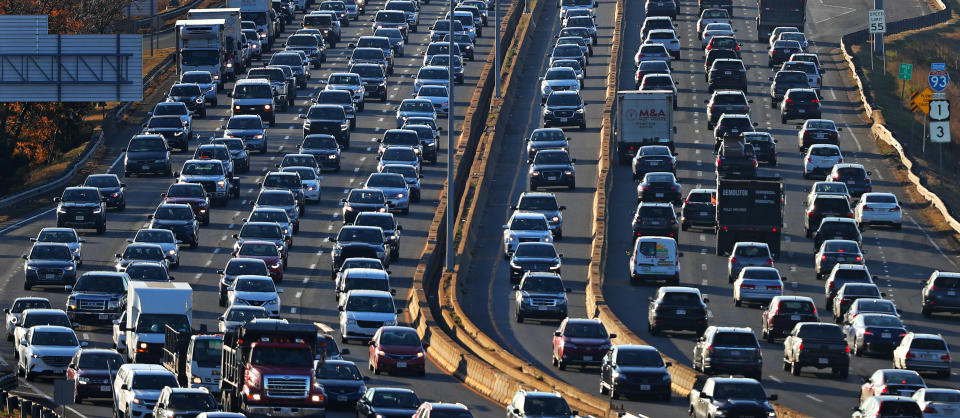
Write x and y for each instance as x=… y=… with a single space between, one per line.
x=353 y=123
x=562 y=365
x=737 y=302
x=360 y=106
x=26 y=286
x=519 y=317
x=653 y=330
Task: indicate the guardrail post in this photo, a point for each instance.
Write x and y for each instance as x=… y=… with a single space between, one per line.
x=26 y=407
x=11 y=404
x=35 y=410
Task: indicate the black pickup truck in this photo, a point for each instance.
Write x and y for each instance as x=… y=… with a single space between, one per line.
x=816 y=344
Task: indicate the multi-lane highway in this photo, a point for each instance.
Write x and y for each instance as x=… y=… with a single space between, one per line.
x=308 y=292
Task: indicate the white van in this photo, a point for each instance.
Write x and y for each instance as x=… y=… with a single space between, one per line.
x=655 y=258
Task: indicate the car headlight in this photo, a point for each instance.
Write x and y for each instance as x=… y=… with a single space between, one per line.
x=344 y=126
x=136 y=401
x=172 y=252
x=568 y=172
x=535 y=173
x=68 y=268
x=258 y=136
x=113 y=304
x=221 y=184
x=275 y=266
x=83 y=380
x=351 y=321
x=273 y=302
x=178 y=133
x=61 y=210
x=199 y=100
x=616 y=375
x=400 y=196
x=236 y=107
x=348 y=208
x=332 y=156
x=29 y=267
x=97 y=210
x=266 y=107
x=580 y=110
x=555 y=219
x=357 y=91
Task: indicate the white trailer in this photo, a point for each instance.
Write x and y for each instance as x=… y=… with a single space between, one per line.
x=234 y=45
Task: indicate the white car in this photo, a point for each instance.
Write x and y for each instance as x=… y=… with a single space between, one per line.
x=164 y=238
x=63 y=236
x=137 y=388
x=757 y=285
x=256 y=291
x=558 y=79
x=827 y=188
x=363 y=312
x=47 y=350
x=714 y=29
x=235 y=316
x=820 y=160
x=938 y=402
x=667 y=38
x=525 y=227
x=310 y=180
x=15 y=311
x=775 y=35
x=709 y=16
x=878 y=208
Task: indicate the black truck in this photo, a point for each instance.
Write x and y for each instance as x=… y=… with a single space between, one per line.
x=818 y=345
x=774 y=13
x=749 y=210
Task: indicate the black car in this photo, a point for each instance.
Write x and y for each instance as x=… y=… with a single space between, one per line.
x=800 y=104
x=817 y=131
x=783 y=313
x=841 y=275
x=649 y=67
x=635 y=370
x=564 y=108
x=238 y=153
x=373 y=79
x=327 y=119
x=731 y=124
x=677 y=309
x=714 y=54
x=726 y=102
x=386 y=222
x=147 y=154
x=363 y=200
x=463 y=41
x=659 y=187
x=825 y=206
x=730 y=397
x=178 y=218
x=781 y=52
x=172 y=128
x=836 y=251
x=874 y=332
x=428 y=140
x=552 y=167
x=239 y=266
x=81 y=207
x=652 y=158
x=855 y=176
x=110 y=187
x=342 y=381
x=661 y=8
x=324 y=148
x=146 y=271
x=727 y=74
x=699 y=209
x=836 y=228
x=49 y=264
x=764 y=146
x=783 y=81
x=388 y=402
x=541 y=295
x=941 y=293
x=655 y=219
x=819 y=345
x=534 y=256
x=359 y=241
x=191 y=95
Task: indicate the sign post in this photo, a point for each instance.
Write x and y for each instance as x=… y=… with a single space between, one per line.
x=63 y=394
x=906 y=73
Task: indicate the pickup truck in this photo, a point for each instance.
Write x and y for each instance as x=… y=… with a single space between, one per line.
x=816 y=344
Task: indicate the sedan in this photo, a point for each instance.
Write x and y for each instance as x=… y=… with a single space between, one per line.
x=546 y=138
x=833 y=252
x=653 y=158
x=709 y=16
x=891 y=382
x=438 y=96
x=938 y=402
x=255 y=291
x=388 y=402
x=266 y=251
x=342 y=382
x=878 y=208
x=652 y=52
x=714 y=29
x=874 y=333
x=757 y=285
x=660 y=187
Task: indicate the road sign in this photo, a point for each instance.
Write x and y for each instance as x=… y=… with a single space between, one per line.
x=921 y=100
x=878 y=21
x=939 y=77
x=940 y=131
x=939 y=110
x=906 y=71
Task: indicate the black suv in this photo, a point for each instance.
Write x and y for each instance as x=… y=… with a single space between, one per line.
x=836 y=228
x=362 y=241
x=699 y=209
x=97 y=297
x=816 y=344
x=49 y=264
x=783 y=81
x=327 y=119
x=941 y=293
x=564 y=108
x=81 y=207
x=324 y=148
x=388 y=223
x=726 y=102
x=781 y=52
x=727 y=74
x=677 y=308
x=634 y=370
x=110 y=187
x=373 y=79
x=541 y=295
x=363 y=200
x=534 y=256
x=552 y=168
x=731 y=125
x=764 y=146
x=652 y=158
x=172 y=128
x=179 y=218
x=147 y=154
x=714 y=54
x=825 y=206
x=655 y=219
x=729 y=396
x=800 y=104
x=783 y=313
x=728 y=350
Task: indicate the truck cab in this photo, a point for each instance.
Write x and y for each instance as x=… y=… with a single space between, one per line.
x=151 y=307
x=201 y=47
x=194 y=357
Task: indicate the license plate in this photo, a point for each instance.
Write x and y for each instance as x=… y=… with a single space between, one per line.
x=704 y=213
x=885 y=335
x=341 y=398
x=542 y=308
x=587 y=358
x=145 y=167
x=644 y=387
x=951 y=293
x=681 y=311
x=851 y=182
x=79 y=217
x=563 y=119
x=49 y=276
x=104 y=316
x=801 y=111
x=794 y=317
x=728 y=73
x=823 y=360
x=841 y=259
x=401 y=364
x=551 y=178
x=104 y=388
x=735 y=353
x=654 y=162
x=659 y=194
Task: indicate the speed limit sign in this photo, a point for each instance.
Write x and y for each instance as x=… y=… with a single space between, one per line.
x=940 y=131
x=877 y=21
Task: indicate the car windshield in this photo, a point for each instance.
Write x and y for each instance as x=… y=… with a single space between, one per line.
x=433 y=91
x=825 y=151
x=398 y=17
x=141 y=252
x=239 y=267
x=343 y=79
x=339 y=371
x=537 y=251
x=529 y=224
x=369 y=71
x=545 y=406
x=393 y=34
x=233 y=144
x=164 y=109
x=639 y=358
x=735 y=339
x=366 y=54
x=860 y=290
x=851 y=172
x=186 y=190
x=795 y=306
x=261 y=231
x=239 y=314
x=655 y=212
x=761 y=273
x=22 y=304
x=293 y=60
x=165 y=122
x=411 y=106
x=276 y=199
x=371 y=235
x=197 y=78
x=875 y=305
x=551 y=157
x=362 y=263
x=370 y=304
x=306 y=173
x=255 y=285
x=153 y=381
x=34 y=319
x=203 y=169
x=365 y=196
x=739 y=390
x=681 y=298
x=655 y=150
x=302 y=40
x=941 y=396
x=156 y=323
x=252 y=91
x=191 y=402
x=146 y=144
x=327 y=112
x=50 y=252
x=404 y=338
x=368 y=42
x=100 y=361
x=190 y=90
x=322 y=142
x=399 y=154
x=298 y=161
x=57 y=338
x=386 y=180
x=906 y=377
x=433 y=74
x=659 y=178
x=841 y=247
x=882 y=321
x=258 y=250
x=317 y=20
x=282 y=357
x=148 y=272
x=538 y=283
x=98 y=283
x=820 y=332
x=244 y=123
x=538 y=204
x=365 y=283
x=560 y=74
x=585 y=330
x=176 y=213
x=406 y=6
x=395 y=399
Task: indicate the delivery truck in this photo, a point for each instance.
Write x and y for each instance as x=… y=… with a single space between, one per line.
x=151 y=307
x=200 y=47
x=643 y=118
x=258 y=12
x=232 y=32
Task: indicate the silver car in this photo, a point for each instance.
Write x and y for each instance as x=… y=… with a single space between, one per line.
x=923 y=353
x=394 y=188
x=162 y=237
x=63 y=236
x=280 y=199
x=746 y=254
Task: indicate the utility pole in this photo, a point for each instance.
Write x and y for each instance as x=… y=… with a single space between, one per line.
x=451 y=215
x=496 y=55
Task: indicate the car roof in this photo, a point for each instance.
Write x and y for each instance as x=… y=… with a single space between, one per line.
x=145 y=368
x=794 y=298
x=51 y=328
x=732 y=329
x=367 y=292
x=366 y=272
x=679 y=289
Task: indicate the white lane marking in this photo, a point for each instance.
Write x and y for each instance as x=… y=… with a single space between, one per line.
x=209 y=262
x=703 y=267
x=20 y=223
x=299 y=294
x=223 y=238
x=814 y=398
x=852 y=135
x=86 y=336
x=293 y=309
x=937 y=247
x=306 y=279
x=773 y=378
x=231 y=225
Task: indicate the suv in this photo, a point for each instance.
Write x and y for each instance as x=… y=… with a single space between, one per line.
x=564 y=108
x=218 y=152
x=178 y=218
x=783 y=313
x=363 y=241
x=538 y=404
x=552 y=168
x=855 y=176
x=146 y=154
x=534 y=256
x=296 y=63
x=324 y=148
x=728 y=350
x=822 y=207
x=212 y=176
x=731 y=124
x=580 y=341
x=783 y=81
x=729 y=396
x=349 y=82
x=81 y=207
x=800 y=104
x=236 y=267
x=137 y=388
x=546 y=204
x=727 y=74
x=679 y=309
x=699 y=209
x=840 y=275
x=834 y=251
x=726 y=102
x=328 y=119
x=635 y=370
x=49 y=264
x=172 y=128
x=193 y=195
x=373 y=78
x=655 y=219
x=941 y=293
x=819 y=345
x=46 y=350
x=255 y=97
x=836 y=228
x=282 y=81
x=541 y=295
x=747 y=254
x=97 y=297
x=174 y=402
x=309 y=44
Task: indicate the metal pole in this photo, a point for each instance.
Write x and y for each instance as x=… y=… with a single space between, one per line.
x=153 y=24
x=923 y=138
x=496 y=56
x=450 y=150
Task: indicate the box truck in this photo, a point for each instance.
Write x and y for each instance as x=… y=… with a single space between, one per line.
x=200 y=47
x=151 y=307
x=233 y=44
x=643 y=118
x=258 y=12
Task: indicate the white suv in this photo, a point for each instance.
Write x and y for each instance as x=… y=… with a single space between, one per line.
x=363 y=312
x=137 y=388
x=47 y=350
x=525 y=227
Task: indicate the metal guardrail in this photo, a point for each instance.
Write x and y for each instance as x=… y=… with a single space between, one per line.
x=28 y=405
x=903 y=25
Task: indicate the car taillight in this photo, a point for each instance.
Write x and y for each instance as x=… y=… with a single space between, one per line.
x=945 y=357
x=848 y=349
x=642 y=188
x=710 y=349
x=686 y=201
x=788 y=100
x=883 y=389
x=809 y=159
x=929 y=410
x=859 y=258
x=809 y=213
x=774 y=288
x=868 y=208
x=895 y=209
x=718 y=162
x=755 y=165
x=823 y=257
x=769 y=262
x=840 y=161
x=815 y=101
x=733 y=260
x=866 y=180
x=910 y=355
x=830 y=285
x=674 y=188
x=800 y=347
x=849 y=214
x=747 y=286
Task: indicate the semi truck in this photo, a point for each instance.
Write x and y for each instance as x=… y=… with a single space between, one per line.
x=194 y=356
x=258 y=12
x=774 y=13
x=233 y=44
x=267 y=368
x=151 y=307
x=643 y=118
x=749 y=210
x=200 y=47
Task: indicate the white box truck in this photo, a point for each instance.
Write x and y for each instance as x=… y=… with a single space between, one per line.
x=151 y=307
x=200 y=47
x=232 y=31
x=258 y=12
x=643 y=118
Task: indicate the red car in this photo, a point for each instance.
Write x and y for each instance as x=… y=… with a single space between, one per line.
x=397 y=349
x=580 y=341
x=191 y=194
x=266 y=251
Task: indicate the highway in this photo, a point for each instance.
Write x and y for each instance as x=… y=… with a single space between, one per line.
x=892 y=255
x=308 y=289
x=899 y=260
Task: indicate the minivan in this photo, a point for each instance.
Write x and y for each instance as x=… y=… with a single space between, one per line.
x=655 y=258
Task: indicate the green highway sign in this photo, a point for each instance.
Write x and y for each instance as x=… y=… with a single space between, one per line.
x=906 y=71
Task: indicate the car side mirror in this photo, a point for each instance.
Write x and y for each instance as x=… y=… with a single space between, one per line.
x=24 y=257
x=84 y=343
x=68 y=288
x=56 y=199
x=124 y=387
x=773 y=397
x=516 y=411
x=399 y=310
x=770 y=78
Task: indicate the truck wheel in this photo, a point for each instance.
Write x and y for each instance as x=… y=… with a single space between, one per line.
x=795 y=369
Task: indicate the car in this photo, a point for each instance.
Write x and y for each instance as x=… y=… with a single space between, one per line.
x=677 y=308
x=936 y=401
x=655 y=22
x=255 y=291
x=783 y=313
x=850 y=292
x=794 y=36
x=253 y=43
x=91 y=370
x=410 y=8
x=66 y=236
x=661 y=8
x=727 y=74
x=715 y=54
x=148 y=272
x=551 y=168
x=438 y=96
x=659 y=82
x=394 y=188
x=546 y=138
x=800 y=104
x=747 y=254
x=98 y=297
x=310 y=181
x=467 y=23
x=524 y=227
x=808 y=57
x=439 y=48
x=665 y=37
x=775 y=33
x=724 y=42
x=699 y=209
x=575 y=40
x=238 y=152
x=250 y=129
x=397 y=350
x=147 y=154
x=175 y=402
x=280 y=199
x=757 y=285
x=891 y=382
x=374 y=79
x=137 y=388
x=540 y=295
x=783 y=81
x=818 y=345
x=863 y=305
x=731 y=125
x=878 y=208
x=725 y=396
x=414 y=108
x=820 y=159
x=876 y=406
x=410 y=175
x=236 y=315
x=216 y=152
x=441 y=27
x=572 y=64
x=172 y=128
x=534 y=256
x=558 y=79
x=190 y=95
x=139 y=251
x=833 y=252
x=324 y=149
x=708 y=16
x=81 y=207
x=855 y=176
x=32 y=317
x=191 y=194
x=212 y=175
x=46 y=350
x=827 y=188
x=714 y=29
x=634 y=370
x=824 y=206
x=14 y=314
x=660 y=186
x=49 y=264
x=655 y=219
x=652 y=52
x=373 y=50
x=178 y=218
x=580 y=341
x=840 y=274
x=364 y=312
x=262 y=90
x=872 y=332
x=465 y=46
x=360 y=263
x=527 y=403
x=645 y=67
x=359 y=241
x=400 y=155
x=443 y=409
x=810 y=68
x=431 y=75
x=267 y=251
x=358 y=278
x=545 y=204
x=341 y=380
x=836 y=228
x=728 y=350
x=298 y=160
x=238 y=266
x=361 y=200
x=383 y=400
x=310 y=44
x=270 y=215
x=427 y=141
x=940 y=293
x=723 y=102
x=208 y=84
x=296 y=63
x=781 y=51
x=163 y=237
